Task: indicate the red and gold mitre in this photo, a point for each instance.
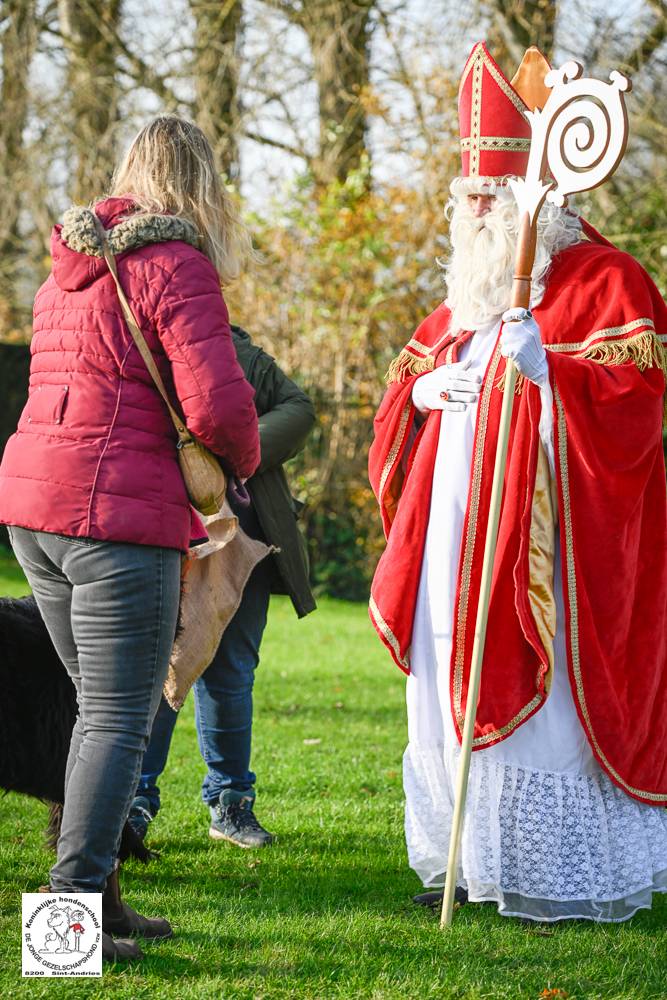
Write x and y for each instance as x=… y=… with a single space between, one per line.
x=493 y=126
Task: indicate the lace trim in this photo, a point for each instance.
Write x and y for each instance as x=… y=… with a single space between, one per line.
x=543 y=845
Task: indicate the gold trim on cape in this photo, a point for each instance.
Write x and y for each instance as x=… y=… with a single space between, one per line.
x=395 y=447
x=408 y=363
x=496 y=734
x=466 y=572
x=469 y=543
x=387 y=633
x=606 y=334
x=644 y=350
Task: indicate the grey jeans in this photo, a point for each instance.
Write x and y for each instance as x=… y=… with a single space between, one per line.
x=111 y=610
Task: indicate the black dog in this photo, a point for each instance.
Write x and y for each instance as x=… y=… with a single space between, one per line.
x=37 y=715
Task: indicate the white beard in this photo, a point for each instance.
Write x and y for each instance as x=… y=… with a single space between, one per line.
x=480 y=271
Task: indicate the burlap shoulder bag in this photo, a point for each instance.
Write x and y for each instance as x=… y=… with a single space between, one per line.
x=203 y=477
x=213 y=580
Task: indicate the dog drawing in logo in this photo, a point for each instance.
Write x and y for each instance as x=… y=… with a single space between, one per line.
x=50 y=943
x=59 y=922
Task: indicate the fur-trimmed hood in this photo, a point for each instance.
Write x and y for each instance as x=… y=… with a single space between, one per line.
x=76 y=248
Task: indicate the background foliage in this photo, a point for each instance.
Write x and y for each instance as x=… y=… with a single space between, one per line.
x=336 y=122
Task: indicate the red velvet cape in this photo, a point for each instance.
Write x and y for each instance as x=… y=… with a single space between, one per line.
x=604 y=325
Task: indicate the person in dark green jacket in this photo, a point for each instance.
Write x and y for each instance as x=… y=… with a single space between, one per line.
x=223 y=694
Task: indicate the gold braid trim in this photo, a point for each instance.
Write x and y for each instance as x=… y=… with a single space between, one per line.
x=395 y=448
x=496 y=734
x=645 y=350
x=607 y=334
x=389 y=636
x=407 y=364
x=468 y=545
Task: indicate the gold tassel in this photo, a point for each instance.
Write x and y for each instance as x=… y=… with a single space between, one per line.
x=407 y=364
x=518 y=385
x=644 y=349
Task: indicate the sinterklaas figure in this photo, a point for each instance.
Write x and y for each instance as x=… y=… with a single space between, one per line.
x=569 y=768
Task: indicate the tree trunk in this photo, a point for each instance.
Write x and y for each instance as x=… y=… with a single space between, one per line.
x=518 y=24
x=339 y=32
x=216 y=72
x=89 y=29
x=18 y=43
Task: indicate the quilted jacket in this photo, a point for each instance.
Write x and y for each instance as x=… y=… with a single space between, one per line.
x=94 y=454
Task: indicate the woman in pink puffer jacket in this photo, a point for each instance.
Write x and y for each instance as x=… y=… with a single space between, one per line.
x=90 y=484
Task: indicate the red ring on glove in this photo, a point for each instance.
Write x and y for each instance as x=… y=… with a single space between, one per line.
x=444 y=395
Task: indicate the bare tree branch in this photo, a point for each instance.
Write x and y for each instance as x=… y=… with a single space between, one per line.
x=653 y=39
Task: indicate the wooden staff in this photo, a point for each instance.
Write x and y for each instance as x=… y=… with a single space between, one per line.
x=520 y=298
x=580 y=136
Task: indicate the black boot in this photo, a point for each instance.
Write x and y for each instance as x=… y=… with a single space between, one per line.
x=112 y=951
x=433 y=898
x=118 y=950
x=120 y=919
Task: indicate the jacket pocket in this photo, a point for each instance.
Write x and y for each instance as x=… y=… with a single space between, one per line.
x=46 y=404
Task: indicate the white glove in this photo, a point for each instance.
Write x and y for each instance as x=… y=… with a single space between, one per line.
x=449 y=387
x=521 y=341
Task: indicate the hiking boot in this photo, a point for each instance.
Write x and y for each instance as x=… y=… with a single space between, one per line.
x=140 y=816
x=232 y=819
x=120 y=919
x=434 y=898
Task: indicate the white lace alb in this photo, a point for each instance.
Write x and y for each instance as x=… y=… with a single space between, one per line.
x=542 y=845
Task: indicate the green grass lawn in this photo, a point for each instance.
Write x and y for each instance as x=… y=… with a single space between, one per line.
x=326 y=913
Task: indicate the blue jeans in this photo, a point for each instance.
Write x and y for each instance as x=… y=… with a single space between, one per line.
x=111 y=611
x=223 y=705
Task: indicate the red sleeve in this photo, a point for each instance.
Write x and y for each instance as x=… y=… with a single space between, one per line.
x=217 y=402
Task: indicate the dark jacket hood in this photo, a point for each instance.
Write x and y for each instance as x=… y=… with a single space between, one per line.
x=76 y=247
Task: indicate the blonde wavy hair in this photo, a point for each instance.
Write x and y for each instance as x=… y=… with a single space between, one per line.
x=170 y=169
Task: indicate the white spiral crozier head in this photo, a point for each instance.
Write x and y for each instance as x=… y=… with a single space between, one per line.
x=581 y=132
x=480 y=269
x=587 y=129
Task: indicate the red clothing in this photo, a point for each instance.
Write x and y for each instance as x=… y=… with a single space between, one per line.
x=94 y=454
x=601 y=321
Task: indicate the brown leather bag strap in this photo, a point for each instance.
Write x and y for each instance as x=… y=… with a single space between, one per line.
x=184 y=436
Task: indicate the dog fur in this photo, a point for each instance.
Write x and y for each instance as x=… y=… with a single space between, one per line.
x=37 y=714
